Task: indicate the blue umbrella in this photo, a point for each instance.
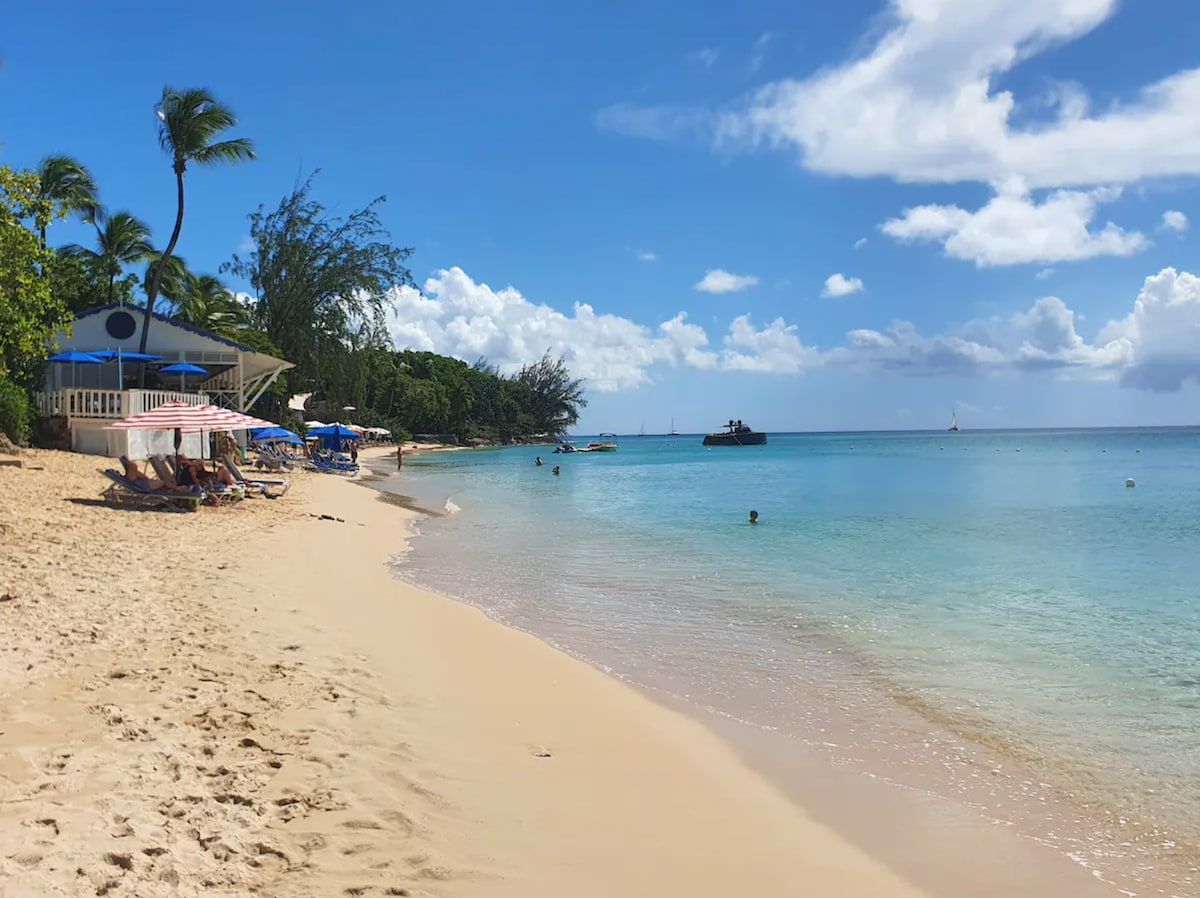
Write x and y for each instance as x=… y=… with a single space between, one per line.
x=275 y=435
x=120 y=355
x=183 y=369
x=332 y=435
x=74 y=356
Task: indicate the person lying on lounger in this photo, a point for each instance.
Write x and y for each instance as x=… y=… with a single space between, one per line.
x=193 y=472
x=135 y=475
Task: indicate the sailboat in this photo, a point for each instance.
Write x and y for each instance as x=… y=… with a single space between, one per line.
x=953 y=421
x=674 y=432
x=642 y=433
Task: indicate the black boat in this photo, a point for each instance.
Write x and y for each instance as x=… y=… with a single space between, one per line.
x=736 y=434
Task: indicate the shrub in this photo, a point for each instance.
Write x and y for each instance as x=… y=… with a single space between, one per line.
x=14 y=411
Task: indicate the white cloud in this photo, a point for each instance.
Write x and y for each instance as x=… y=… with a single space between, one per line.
x=860 y=242
x=1155 y=347
x=1013 y=228
x=707 y=57
x=1174 y=220
x=839 y=285
x=718 y=280
x=1045 y=274
x=246 y=245
x=776 y=349
x=760 y=50
x=646 y=255
x=465 y=319
x=922 y=105
x=1162 y=333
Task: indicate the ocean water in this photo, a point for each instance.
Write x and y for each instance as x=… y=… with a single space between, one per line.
x=943 y=602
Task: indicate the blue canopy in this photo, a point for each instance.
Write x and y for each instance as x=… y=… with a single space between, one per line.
x=111 y=355
x=336 y=430
x=183 y=368
x=274 y=435
x=74 y=355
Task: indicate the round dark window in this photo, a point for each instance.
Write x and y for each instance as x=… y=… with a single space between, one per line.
x=120 y=325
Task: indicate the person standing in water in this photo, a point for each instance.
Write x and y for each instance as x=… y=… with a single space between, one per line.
x=538 y=461
x=753 y=517
x=555 y=471
x=399 y=457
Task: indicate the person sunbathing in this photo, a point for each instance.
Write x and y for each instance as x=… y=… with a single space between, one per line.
x=193 y=472
x=138 y=478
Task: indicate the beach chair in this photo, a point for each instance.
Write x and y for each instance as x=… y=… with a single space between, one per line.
x=263 y=483
x=327 y=468
x=272 y=459
x=124 y=492
x=218 y=493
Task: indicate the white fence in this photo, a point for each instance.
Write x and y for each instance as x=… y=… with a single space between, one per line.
x=83 y=403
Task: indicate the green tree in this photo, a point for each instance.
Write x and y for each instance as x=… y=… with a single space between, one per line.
x=321 y=285
x=66 y=183
x=174 y=279
x=209 y=304
x=190 y=121
x=122 y=240
x=30 y=310
x=555 y=398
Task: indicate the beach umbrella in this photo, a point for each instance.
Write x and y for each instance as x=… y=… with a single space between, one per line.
x=275 y=435
x=120 y=357
x=311 y=424
x=183 y=418
x=333 y=435
x=183 y=369
x=75 y=357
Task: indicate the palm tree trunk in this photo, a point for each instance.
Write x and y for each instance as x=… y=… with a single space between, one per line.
x=156 y=281
x=111 y=280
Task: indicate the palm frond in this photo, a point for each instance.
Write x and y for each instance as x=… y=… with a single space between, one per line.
x=237 y=150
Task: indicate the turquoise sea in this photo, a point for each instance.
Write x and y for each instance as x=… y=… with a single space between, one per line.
x=978 y=599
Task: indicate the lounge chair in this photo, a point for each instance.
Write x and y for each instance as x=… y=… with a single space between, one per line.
x=123 y=491
x=217 y=493
x=263 y=483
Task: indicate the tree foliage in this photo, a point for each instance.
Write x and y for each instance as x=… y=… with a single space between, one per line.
x=30 y=310
x=121 y=240
x=189 y=123
x=555 y=397
x=321 y=285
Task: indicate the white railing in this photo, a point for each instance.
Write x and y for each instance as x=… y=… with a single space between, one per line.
x=83 y=403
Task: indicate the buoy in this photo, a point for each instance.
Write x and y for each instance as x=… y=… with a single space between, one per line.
x=1139 y=452
x=1129 y=481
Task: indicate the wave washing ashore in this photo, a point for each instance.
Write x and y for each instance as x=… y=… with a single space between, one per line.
x=991 y=617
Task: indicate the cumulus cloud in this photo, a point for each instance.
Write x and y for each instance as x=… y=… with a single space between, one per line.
x=718 y=280
x=775 y=349
x=922 y=105
x=1012 y=228
x=1156 y=346
x=1162 y=333
x=646 y=255
x=1174 y=220
x=860 y=242
x=1045 y=274
x=838 y=284
x=459 y=317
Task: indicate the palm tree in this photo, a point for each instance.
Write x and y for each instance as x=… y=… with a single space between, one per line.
x=122 y=241
x=174 y=279
x=211 y=305
x=67 y=182
x=189 y=121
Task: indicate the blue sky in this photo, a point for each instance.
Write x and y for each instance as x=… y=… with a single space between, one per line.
x=1023 y=174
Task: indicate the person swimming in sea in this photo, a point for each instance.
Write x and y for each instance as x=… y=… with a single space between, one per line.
x=753 y=516
x=555 y=471
x=538 y=461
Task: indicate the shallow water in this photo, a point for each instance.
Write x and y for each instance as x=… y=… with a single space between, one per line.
x=990 y=597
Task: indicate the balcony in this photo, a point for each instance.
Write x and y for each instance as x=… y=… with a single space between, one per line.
x=75 y=403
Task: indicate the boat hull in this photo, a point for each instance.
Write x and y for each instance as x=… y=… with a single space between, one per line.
x=736 y=439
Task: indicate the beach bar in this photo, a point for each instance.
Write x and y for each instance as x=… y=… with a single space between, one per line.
x=87 y=398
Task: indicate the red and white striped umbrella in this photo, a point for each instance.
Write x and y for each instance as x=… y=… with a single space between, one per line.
x=189 y=419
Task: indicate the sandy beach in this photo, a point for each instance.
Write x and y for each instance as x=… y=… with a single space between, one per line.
x=243 y=701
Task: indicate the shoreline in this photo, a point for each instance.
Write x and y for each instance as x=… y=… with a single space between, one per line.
x=245 y=699
x=1045 y=849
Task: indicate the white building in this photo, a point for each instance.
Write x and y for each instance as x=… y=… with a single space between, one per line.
x=90 y=397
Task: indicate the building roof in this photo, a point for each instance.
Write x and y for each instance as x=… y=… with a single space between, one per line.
x=165 y=319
